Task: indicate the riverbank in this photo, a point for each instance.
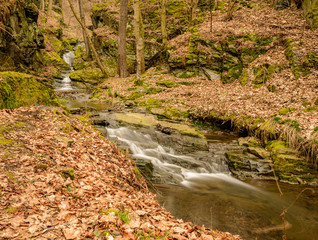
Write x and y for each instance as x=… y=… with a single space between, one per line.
x=60 y=179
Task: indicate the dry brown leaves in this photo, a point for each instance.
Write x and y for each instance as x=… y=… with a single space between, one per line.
x=40 y=197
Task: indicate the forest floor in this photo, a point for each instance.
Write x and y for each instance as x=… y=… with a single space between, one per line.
x=202 y=97
x=60 y=179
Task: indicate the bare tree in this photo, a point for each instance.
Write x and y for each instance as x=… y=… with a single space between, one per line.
x=43 y=5
x=212 y=9
x=50 y=7
x=88 y=49
x=193 y=10
x=139 y=35
x=164 y=21
x=100 y=65
x=122 y=62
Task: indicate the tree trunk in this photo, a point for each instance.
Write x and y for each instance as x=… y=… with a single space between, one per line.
x=164 y=21
x=43 y=5
x=50 y=7
x=140 y=55
x=88 y=49
x=193 y=6
x=122 y=62
x=100 y=65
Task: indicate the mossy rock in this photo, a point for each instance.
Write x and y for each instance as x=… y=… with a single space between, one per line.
x=135 y=95
x=153 y=103
x=18 y=90
x=233 y=74
x=272 y=88
x=166 y=83
x=311 y=12
x=262 y=74
x=244 y=77
x=259 y=152
x=293 y=58
x=58 y=45
x=55 y=59
x=170 y=113
x=153 y=90
x=90 y=75
x=285 y=111
x=69 y=43
x=150 y=121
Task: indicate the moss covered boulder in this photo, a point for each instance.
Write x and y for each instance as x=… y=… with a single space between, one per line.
x=311 y=12
x=18 y=89
x=90 y=75
x=289 y=165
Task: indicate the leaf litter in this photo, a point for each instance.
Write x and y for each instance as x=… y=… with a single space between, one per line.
x=59 y=179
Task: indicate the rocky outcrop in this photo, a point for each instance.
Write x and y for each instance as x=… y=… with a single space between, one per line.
x=257 y=162
x=20 y=37
x=18 y=90
x=311 y=12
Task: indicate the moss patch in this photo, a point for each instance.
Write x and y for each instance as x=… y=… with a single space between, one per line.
x=91 y=75
x=18 y=89
x=166 y=83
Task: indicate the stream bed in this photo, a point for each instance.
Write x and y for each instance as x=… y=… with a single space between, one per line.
x=192 y=181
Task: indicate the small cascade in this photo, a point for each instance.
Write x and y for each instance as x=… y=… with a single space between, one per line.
x=63 y=82
x=186 y=169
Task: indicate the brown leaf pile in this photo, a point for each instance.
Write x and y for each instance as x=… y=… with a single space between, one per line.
x=59 y=179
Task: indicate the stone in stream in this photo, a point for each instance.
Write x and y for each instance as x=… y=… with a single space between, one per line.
x=245 y=165
x=259 y=152
x=100 y=122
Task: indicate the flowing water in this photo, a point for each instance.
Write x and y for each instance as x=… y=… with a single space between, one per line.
x=192 y=181
x=201 y=190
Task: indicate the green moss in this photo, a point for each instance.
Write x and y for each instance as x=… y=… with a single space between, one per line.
x=316 y=102
x=262 y=74
x=96 y=93
x=68 y=173
x=135 y=95
x=166 y=83
x=293 y=59
x=244 y=77
x=233 y=74
x=153 y=103
x=58 y=45
x=90 y=75
x=153 y=90
x=99 y=7
x=316 y=129
x=18 y=89
x=272 y=88
x=54 y=58
x=310 y=109
x=4 y=141
x=285 y=111
x=123 y=215
x=11 y=209
x=69 y=43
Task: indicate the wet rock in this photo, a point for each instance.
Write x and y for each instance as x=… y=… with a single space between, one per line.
x=165 y=130
x=259 y=152
x=246 y=165
x=145 y=167
x=129 y=104
x=211 y=75
x=100 y=122
x=82 y=110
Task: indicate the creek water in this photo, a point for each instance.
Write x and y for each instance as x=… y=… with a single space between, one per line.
x=192 y=181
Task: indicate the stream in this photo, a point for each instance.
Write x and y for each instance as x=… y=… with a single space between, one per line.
x=192 y=181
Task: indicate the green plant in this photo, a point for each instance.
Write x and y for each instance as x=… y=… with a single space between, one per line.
x=123 y=215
